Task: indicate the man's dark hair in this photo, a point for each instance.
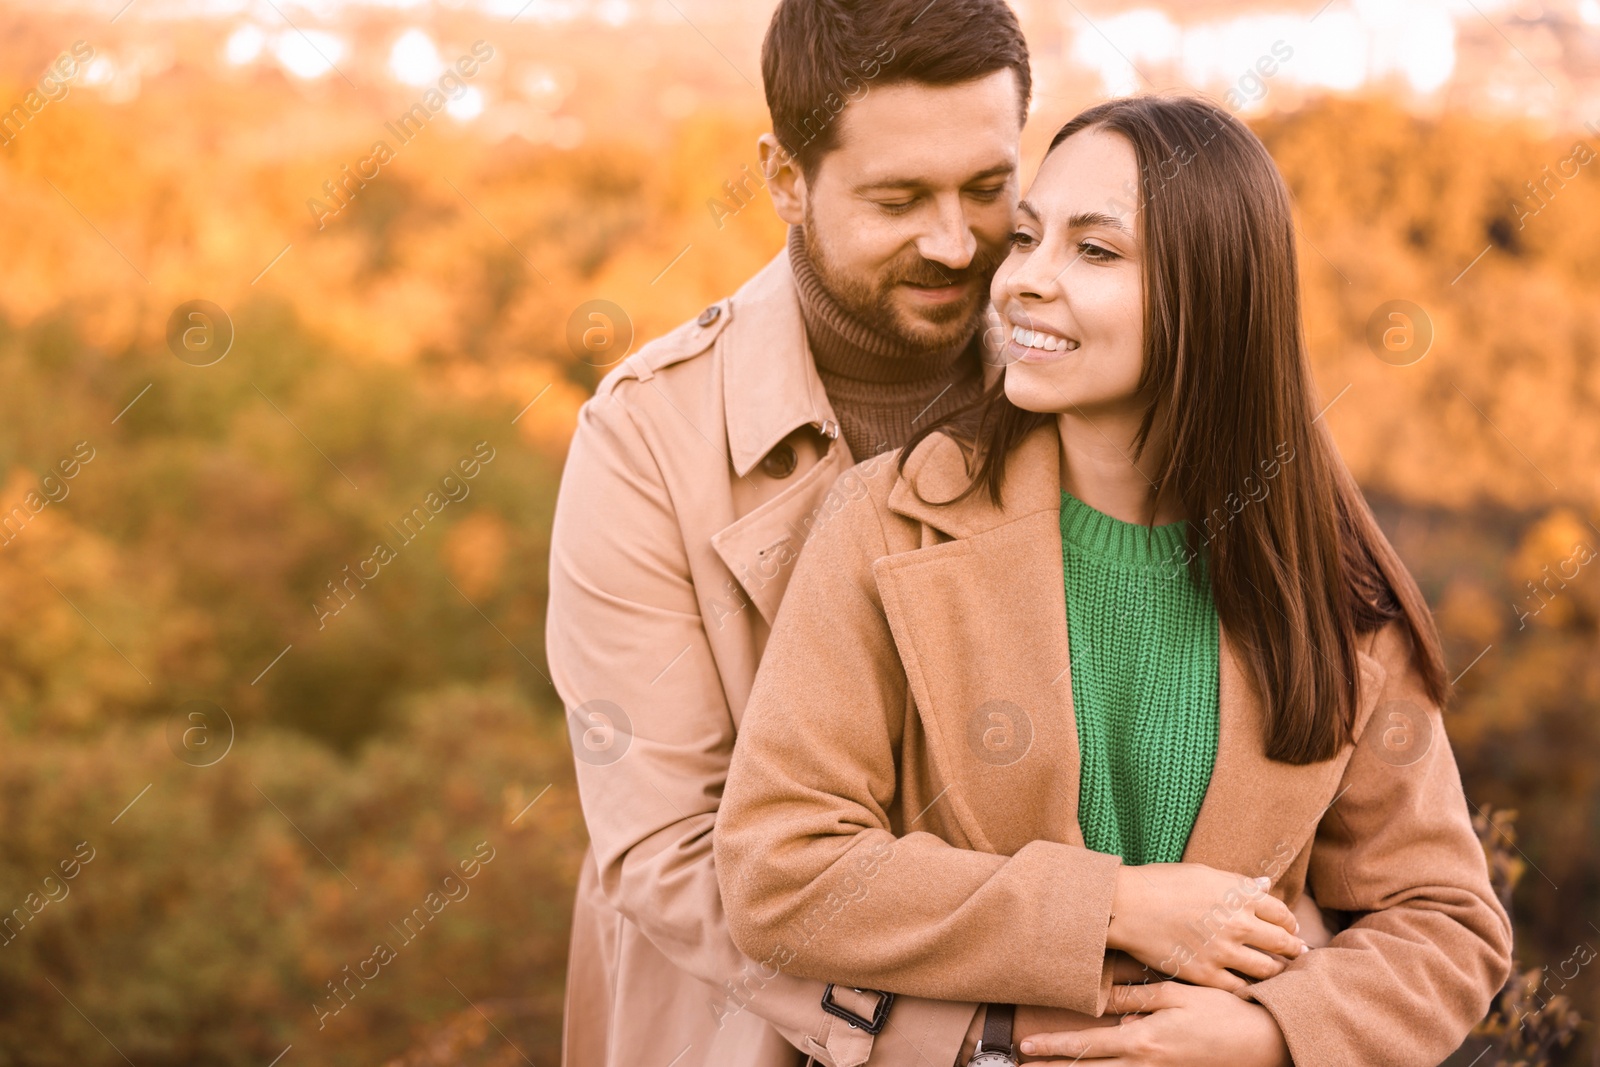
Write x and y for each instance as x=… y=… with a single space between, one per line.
x=821 y=55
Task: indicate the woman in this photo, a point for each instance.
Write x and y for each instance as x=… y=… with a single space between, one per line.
x=1118 y=664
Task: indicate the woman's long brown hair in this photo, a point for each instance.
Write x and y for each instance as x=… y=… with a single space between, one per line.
x=1299 y=575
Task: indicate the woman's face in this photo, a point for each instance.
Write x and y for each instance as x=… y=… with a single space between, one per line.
x=1071 y=292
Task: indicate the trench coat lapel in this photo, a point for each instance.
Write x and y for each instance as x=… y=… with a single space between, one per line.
x=979 y=619
x=771 y=388
x=760 y=547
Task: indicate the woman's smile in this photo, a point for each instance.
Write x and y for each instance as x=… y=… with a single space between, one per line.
x=1027 y=345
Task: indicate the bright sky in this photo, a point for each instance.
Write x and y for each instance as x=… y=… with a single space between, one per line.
x=1340 y=45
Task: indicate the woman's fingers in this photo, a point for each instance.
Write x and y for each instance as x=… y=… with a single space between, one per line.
x=1257 y=965
x=1218 y=978
x=1270 y=938
x=1275 y=911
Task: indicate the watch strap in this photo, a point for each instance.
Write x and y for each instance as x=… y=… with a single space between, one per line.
x=997 y=1020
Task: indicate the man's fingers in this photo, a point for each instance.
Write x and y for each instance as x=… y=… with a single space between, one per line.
x=1126 y=969
x=1126 y=999
x=1096 y=1043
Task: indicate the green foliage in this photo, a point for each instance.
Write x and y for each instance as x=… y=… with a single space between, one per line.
x=216 y=908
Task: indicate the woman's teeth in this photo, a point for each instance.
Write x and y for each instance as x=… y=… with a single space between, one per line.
x=1042 y=341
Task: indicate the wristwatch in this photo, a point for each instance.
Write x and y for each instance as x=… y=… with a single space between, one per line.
x=994 y=1047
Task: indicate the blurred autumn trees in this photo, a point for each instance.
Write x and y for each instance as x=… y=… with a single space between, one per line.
x=392 y=738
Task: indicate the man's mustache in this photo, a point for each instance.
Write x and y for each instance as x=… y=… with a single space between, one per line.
x=927 y=273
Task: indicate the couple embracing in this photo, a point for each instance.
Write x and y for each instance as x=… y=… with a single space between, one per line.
x=1081 y=657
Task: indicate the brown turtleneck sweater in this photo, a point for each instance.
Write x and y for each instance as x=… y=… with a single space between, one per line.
x=881 y=389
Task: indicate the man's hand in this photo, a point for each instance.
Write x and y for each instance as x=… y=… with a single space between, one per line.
x=1178 y=1025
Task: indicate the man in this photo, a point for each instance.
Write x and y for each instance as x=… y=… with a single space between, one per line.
x=699 y=469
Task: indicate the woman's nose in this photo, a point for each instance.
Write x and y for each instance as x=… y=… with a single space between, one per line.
x=1034 y=276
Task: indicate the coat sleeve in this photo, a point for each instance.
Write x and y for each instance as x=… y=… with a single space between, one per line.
x=1431 y=944
x=811 y=870
x=652 y=734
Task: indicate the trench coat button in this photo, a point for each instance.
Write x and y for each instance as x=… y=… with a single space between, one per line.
x=780 y=462
x=709 y=315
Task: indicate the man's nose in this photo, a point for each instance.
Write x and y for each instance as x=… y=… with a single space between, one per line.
x=948 y=240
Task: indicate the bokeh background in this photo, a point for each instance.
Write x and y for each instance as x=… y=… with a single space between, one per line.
x=256 y=763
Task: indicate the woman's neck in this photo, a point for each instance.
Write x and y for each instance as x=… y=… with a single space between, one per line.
x=1098 y=468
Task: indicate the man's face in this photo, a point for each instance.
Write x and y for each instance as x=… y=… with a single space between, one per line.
x=908 y=218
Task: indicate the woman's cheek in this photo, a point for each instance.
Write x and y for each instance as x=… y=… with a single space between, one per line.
x=1111 y=335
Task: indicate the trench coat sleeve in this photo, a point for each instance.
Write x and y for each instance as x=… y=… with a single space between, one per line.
x=1431 y=945
x=809 y=865
x=624 y=627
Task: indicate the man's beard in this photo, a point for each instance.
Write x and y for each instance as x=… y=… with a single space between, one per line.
x=939 y=326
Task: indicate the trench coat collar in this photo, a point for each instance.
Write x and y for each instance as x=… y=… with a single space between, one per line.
x=983 y=615
x=769 y=377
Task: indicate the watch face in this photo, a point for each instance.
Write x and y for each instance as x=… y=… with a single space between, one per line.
x=991 y=1059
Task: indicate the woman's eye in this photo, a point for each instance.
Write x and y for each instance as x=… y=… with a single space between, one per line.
x=1021 y=240
x=1096 y=252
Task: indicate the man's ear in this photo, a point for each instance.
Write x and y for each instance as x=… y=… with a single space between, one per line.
x=785 y=183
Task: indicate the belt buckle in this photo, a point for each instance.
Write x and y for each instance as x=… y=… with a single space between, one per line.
x=880 y=1014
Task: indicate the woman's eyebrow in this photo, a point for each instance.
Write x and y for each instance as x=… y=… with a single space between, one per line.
x=1089 y=219
x=1082 y=221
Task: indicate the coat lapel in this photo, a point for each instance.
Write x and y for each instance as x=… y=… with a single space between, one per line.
x=760 y=547
x=980 y=623
x=1257 y=812
x=979 y=619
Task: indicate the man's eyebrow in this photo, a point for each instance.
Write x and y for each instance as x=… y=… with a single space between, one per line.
x=995 y=171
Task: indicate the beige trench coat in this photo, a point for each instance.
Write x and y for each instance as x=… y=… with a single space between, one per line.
x=695 y=475
x=872 y=830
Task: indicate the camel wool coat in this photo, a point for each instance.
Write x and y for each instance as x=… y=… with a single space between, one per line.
x=697 y=472
x=901 y=812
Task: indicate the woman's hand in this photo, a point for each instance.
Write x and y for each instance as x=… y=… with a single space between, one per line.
x=1194 y=922
x=1179 y=1026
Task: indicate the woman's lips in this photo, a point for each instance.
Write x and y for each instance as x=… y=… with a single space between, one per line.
x=1017 y=352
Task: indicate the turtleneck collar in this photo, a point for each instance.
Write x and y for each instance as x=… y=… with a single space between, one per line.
x=846 y=347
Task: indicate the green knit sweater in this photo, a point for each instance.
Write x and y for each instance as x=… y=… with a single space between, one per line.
x=1143 y=642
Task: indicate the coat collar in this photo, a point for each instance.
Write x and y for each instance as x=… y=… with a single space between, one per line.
x=981 y=627
x=770 y=384
x=938 y=470
x=769 y=377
